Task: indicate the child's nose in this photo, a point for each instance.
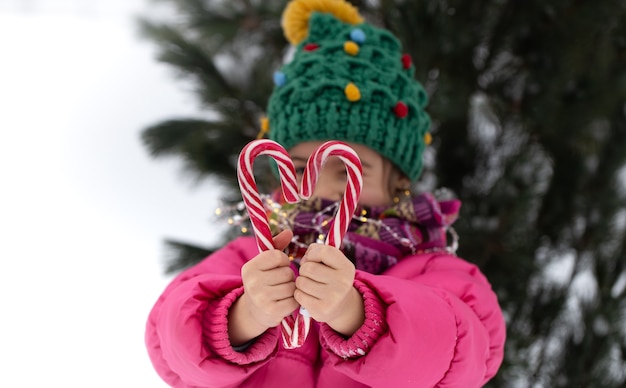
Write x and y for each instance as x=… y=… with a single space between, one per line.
x=329 y=188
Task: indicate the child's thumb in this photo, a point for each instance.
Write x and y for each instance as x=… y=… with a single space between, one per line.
x=282 y=239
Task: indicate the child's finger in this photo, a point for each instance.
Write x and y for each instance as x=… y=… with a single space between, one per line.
x=310 y=286
x=283 y=291
x=287 y=306
x=280 y=275
x=282 y=239
x=267 y=260
x=307 y=301
x=312 y=254
x=325 y=254
x=319 y=272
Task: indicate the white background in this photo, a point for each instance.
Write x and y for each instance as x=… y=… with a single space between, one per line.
x=83 y=208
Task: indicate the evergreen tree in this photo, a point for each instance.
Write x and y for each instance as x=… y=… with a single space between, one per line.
x=528 y=100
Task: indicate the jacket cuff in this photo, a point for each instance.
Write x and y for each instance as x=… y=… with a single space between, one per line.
x=215 y=329
x=374 y=326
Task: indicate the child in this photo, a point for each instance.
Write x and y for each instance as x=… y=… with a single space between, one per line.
x=394 y=307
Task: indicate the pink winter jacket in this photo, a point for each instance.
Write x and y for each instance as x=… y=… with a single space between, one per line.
x=432 y=320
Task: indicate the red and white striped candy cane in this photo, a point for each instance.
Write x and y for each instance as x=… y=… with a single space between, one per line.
x=250 y=192
x=352 y=193
x=295 y=331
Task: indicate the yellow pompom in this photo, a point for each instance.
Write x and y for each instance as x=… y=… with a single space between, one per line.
x=428 y=138
x=352 y=92
x=351 y=48
x=296 y=16
x=265 y=128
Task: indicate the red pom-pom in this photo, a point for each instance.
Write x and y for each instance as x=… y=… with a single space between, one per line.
x=406 y=61
x=311 y=46
x=401 y=110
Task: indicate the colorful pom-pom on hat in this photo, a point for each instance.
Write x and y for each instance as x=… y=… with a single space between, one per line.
x=348 y=81
x=280 y=78
x=265 y=127
x=357 y=35
x=406 y=61
x=352 y=92
x=311 y=47
x=401 y=110
x=428 y=138
x=351 y=48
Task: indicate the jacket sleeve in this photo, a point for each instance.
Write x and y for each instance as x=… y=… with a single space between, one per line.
x=442 y=326
x=187 y=329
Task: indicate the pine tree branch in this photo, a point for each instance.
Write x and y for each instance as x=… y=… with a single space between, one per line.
x=191 y=60
x=206 y=147
x=181 y=255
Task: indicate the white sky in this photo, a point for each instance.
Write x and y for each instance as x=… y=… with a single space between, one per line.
x=83 y=208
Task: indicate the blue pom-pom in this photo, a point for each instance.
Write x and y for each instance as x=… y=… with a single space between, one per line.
x=357 y=35
x=280 y=78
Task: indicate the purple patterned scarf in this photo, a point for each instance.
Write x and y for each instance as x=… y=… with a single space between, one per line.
x=378 y=237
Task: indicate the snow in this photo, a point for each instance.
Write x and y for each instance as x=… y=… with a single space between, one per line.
x=84 y=209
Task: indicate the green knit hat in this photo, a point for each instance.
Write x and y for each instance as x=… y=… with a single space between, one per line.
x=348 y=81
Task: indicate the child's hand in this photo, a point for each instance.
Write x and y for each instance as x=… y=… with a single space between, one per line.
x=325 y=288
x=268 y=283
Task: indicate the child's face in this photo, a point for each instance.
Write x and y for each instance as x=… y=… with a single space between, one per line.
x=380 y=179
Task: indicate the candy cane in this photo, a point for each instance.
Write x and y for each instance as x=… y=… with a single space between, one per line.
x=295 y=331
x=250 y=192
x=353 y=187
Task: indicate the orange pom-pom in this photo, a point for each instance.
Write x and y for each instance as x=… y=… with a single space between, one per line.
x=352 y=92
x=351 y=48
x=265 y=127
x=428 y=138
